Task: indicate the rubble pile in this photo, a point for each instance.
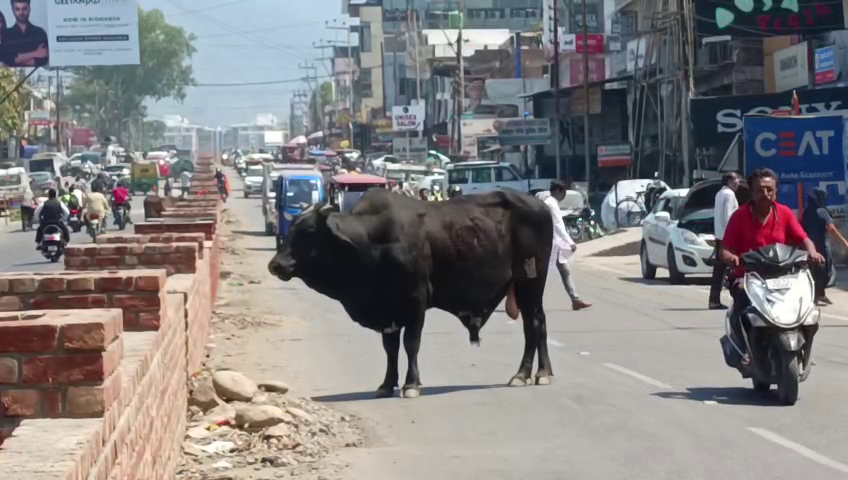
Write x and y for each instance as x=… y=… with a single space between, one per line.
x=236 y=424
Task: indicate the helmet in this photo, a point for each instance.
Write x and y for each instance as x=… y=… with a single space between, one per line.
x=454 y=191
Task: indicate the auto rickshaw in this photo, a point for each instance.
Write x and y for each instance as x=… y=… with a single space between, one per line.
x=296 y=191
x=145 y=177
x=344 y=191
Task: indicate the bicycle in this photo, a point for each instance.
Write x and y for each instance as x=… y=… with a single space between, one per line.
x=631 y=211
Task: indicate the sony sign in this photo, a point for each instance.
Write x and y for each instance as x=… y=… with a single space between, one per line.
x=717 y=120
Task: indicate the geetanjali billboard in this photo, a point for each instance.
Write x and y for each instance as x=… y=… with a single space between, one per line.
x=68 y=33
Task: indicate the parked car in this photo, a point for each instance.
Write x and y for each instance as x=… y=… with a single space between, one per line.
x=481 y=177
x=678 y=233
x=254 y=175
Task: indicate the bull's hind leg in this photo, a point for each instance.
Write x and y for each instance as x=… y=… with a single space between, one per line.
x=545 y=372
x=391 y=344
x=529 y=295
x=525 y=369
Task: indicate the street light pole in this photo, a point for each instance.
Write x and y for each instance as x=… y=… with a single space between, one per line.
x=555 y=78
x=586 y=131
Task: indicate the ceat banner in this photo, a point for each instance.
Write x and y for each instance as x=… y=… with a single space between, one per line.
x=68 y=33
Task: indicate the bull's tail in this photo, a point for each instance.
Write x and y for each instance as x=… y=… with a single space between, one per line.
x=511 y=303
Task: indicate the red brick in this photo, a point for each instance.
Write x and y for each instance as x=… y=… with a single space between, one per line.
x=149 y=283
x=10 y=303
x=52 y=284
x=4 y=285
x=116 y=283
x=45 y=302
x=130 y=321
x=149 y=320
x=90 y=251
x=97 y=335
x=82 y=301
x=151 y=249
x=83 y=284
x=77 y=262
x=22 y=337
x=74 y=252
x=136 y=249
x=151 y=260
x=20 y=403
x=24 y=285
x=136 y=301
x=61 y=369
x=187 y=249
x=8 y=370
x=129 y=260
x=107 y=261
x=95 y=401
x=167 y=248
x=52 y=402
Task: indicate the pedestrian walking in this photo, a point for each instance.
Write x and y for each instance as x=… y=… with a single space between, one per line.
x=563 y=245
x=725 y=204
x=817 y=222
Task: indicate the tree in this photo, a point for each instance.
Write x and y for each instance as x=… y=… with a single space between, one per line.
x=114 y=96
x=317 y=110
x=11 y=110
x=154 y=134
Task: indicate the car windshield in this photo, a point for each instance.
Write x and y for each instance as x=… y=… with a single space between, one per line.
x=254 y=172
x=10 y=180
x=115 y=168
x=301 y=191
x=39 y=177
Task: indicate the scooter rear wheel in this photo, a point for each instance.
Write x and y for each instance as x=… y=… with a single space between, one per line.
x=761 y=386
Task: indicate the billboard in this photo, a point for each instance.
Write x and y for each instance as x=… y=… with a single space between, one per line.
x=749 y=19
x=791 y=67
x=69 y=33
x=408 y=118
x=805 y=152
x=717 y=120
x=826 y=66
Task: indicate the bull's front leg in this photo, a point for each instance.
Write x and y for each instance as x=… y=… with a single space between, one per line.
x=412 y=344
x=391 y=344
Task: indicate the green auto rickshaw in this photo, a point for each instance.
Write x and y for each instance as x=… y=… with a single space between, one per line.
x=145 y=177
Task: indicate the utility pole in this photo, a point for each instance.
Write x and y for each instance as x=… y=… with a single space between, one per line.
x=461 y=93
x=412 y=24
x=586 y=137
x=59 y=146
x=316 y=91
x=555 y=86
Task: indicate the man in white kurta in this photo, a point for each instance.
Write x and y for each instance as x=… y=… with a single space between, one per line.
x=563 y=245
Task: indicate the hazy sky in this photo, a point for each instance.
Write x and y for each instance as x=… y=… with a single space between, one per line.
x=247 y=41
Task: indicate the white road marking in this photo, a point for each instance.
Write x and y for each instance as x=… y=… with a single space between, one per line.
x=638 y=376
x=800 y=449
x=555 y=342
x=836 y=317
x=710 y=402
x=584 y=353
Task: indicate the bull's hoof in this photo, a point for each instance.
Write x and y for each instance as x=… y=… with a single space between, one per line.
x=385 y=392
x=543 y=380
x=518 y=381
x=411 y=392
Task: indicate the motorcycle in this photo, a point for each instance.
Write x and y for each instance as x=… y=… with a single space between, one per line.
x=74 y=220
x=94 y=227
x=222 y=189
x=772 y=342
x=121 y=217
x=52 y=245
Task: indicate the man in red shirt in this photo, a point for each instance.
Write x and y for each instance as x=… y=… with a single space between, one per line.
x=760 y=222
x=121 y=196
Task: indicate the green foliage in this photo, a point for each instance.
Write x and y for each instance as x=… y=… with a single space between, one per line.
x=325 y=90
x=12 y=110
x=114 y=96
x=154 y=134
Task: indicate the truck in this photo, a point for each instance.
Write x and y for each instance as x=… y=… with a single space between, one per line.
x=485 y=176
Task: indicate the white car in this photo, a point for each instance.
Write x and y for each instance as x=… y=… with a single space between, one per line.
x=678 y=233
x=253 y=178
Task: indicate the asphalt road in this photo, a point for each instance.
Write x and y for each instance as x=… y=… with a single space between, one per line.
x=641 y=389
x=17 y=248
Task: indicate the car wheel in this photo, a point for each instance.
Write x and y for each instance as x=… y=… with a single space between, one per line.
x=674 y=275
x=649 y=272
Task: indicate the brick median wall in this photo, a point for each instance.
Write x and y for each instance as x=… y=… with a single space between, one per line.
x=140 y=435
x=139 y=294
x=180 y=257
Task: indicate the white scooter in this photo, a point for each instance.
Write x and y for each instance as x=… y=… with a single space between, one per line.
x=772 y=342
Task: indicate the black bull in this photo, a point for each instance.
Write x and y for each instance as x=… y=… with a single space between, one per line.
x=393 y=258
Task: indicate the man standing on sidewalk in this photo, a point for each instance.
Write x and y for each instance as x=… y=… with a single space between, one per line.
x=725 y=205
x=563 y=245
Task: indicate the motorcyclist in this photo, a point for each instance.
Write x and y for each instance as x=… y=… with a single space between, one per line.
x=221 y=181
x=424 y=194
x=101 y=182
x=51 y=212
x=96 y=204
x=121 y=196
x=77 y=197
x=455 y=191
x=760 y=222
x=437 y=193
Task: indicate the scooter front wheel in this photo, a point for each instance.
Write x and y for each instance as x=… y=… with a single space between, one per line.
x=787 y=387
